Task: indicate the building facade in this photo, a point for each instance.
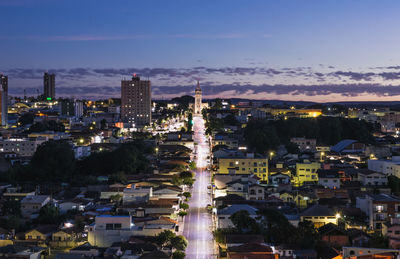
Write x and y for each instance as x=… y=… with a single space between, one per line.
x=197 y=100
x=136 y=101
x=245 y=165
x=49 y=86
x=4 y=99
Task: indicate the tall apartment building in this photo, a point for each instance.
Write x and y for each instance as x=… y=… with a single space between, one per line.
x=49 y=86
x=4 y=99
x=136 y=101
x=71 y=108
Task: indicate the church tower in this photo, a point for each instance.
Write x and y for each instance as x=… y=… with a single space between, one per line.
x=197 y=100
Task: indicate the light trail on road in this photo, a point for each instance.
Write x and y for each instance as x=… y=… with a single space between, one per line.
x=198 y=222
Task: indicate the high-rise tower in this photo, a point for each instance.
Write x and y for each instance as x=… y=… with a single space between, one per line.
x=136 y=101
x=4 y=99
x=197 y=100
x=49 y=86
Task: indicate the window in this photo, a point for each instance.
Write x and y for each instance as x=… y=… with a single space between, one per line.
x=397 y=232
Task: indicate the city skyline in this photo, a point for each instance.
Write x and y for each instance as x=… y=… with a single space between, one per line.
x=311 y=51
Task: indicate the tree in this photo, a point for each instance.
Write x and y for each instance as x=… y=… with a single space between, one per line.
x=192 y=165
x=190 y=122
x=184 y=206
x=163 y=238
x=187 y=195
x=243 y=222
x=182 y=213
x=53 y=161
x=179 y=242
x=49 y=214
x=11 y=207
x=178 y=255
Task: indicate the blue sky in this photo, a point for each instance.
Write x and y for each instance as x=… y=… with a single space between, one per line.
x=273 y=49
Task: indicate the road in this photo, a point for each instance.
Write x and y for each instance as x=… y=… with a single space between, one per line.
x=198 y=222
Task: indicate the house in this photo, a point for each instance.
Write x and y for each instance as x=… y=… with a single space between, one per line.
x=223 y=215
x=238 y=239
x=167 y=192
x=251 y=250
x=279 y=178
x=75 y=204
x=320 y=215
x=348 y=146
x=32 y=204
x=41 y=233
x=21 y=252
x=329 y=179
x=334 y=235
x=392 y=231
x=368 y=178
x=134 y=193
x=380 y=208
x=256 y=192
x=387 y=167
x=108 y=229
x=305 y=144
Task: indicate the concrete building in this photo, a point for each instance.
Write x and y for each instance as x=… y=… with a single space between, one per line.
x=305 y=144
x=24 y=146
x=306 y=173
x=244 y=165
x=368 y=178
x=4 y=99
x=108 y=229
x=387 y=167
x=329 y=179
x=72 y=108
x=379 y=208
x=136 y=101
x=32 y=204
x=49 y=86
x=320 y=215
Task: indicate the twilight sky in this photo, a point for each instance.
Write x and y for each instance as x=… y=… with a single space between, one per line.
x=261 y=49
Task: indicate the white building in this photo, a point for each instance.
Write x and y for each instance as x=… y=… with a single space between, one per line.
x=32 y=204
x=137 y=194
x=387 y=167
x=108 y=229
x=368 y=178
x=21 y=146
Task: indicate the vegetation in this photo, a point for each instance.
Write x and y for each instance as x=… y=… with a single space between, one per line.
x=47 y=125
x=178 y=255
x=265 y=135
x=187 y=195
x=167 y=238
x=54 y=161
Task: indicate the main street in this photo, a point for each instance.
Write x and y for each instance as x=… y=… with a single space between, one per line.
x=198 y=222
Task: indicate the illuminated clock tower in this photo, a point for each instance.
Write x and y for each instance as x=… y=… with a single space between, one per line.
x=197 y=100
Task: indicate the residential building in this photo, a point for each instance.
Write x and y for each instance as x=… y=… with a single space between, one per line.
x=136 y=194
x=320 y=215
x=305 y=144
x=244 y=165
x=108 y=229
x=136 y=101
x=223 y=215
x=329 y=178
x=379 y=208
x=348 y=146
x=49 y=86
x=25 y=147
x=368 y=178
x=387 y=167
x=73 y=108
x=256 y=192
x=306 y=173
x=32 y=204
x=4 y=99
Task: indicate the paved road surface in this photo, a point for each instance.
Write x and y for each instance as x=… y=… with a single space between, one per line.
x=198 y=222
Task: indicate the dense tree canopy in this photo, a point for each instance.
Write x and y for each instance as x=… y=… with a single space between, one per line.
x=264 y=135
